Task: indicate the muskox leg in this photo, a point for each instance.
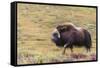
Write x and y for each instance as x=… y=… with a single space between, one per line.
x=64 y=51
x=64 y=48
x=88 y=49
x=71 y=48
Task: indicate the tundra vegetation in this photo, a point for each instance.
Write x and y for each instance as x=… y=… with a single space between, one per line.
x=35 y=24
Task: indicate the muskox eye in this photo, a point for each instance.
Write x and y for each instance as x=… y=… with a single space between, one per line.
x=62 y=28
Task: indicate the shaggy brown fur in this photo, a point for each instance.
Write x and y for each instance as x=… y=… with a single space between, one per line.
x=70 y=36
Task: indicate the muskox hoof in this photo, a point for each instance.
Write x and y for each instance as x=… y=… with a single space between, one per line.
x=88 y=50
x=64 y=53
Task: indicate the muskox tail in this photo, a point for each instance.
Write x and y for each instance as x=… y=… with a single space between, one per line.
x=87 y=40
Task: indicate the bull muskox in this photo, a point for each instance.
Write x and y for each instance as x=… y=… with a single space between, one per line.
x=69 y=36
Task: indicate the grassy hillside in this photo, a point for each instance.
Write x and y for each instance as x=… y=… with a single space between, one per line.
x=35 y=24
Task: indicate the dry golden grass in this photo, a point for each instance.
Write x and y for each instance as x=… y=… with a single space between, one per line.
x=35 y=24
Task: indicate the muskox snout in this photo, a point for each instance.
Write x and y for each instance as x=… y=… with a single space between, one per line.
x=55 y=34
x=56 y=37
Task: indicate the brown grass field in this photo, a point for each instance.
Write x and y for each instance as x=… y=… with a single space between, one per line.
x=35 y=24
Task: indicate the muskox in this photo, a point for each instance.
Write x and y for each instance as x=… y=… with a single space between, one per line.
x=69 y=36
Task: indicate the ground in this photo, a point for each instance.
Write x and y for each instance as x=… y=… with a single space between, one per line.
x=35 y=25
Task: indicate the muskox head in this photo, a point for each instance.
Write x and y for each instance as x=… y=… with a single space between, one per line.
x=68 y=35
